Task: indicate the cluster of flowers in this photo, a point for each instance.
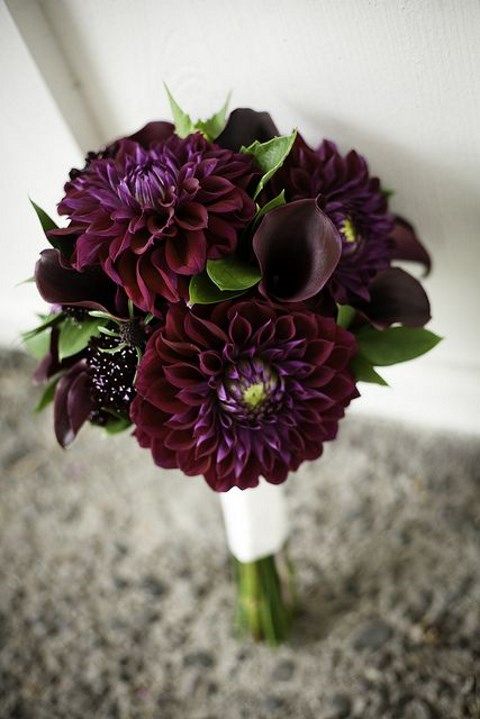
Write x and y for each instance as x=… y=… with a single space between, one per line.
x=222 y=288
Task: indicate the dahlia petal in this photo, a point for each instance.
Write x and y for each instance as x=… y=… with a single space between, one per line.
x=162 y=455
x=318 y=351
x=204 y=332
x=88 y=250
x=240 y=330
x=228 y=203
x=320 y=376
x=187 y=255
x=183 y=375
x=193 y=216
x=210 y=362
x=180 y=440
x=214 y=187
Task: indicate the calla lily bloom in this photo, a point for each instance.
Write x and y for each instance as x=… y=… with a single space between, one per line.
x=396 y=296
x=298 y=248
x=73 y=403
x=407 y=246
x=244 y=126
x=60 y=284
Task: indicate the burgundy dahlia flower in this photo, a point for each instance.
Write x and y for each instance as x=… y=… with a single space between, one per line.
x=151 y=213
x=251 y=389
x=354 y=202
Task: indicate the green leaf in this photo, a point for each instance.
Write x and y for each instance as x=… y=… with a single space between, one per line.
x=395 y=344
x=386 y=192
x=117 y=424
x=25 y=282
x=345 y=315
x=48 y=224
x=364 y=372
x=48 y=393
x=48 y=321
x=232 y=274
x=74 y=336
x=45 y=220
x=270 y=156
x=183 y=122
x=205 y=292
x=275 y=202
x=37 y=344
x=215 y=124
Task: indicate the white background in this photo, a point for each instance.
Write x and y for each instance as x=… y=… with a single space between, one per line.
x=396 y=79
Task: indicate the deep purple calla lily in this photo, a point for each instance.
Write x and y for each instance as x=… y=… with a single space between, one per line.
x=396 y=296
x=92 y=288
x=73 y=403
x=407 y=246
x=244 y=126
x=298 y=248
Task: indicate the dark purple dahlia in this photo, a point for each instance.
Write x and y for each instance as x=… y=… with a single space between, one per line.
x=250 y=389
x=151 y=214
x=354 y=202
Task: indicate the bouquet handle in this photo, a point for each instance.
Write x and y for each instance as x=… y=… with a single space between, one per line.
x=257 y=527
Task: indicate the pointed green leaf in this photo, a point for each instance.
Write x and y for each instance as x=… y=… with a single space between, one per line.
x=48 y=224
x=183 y=123
x=205 y=292
x=345 y=315
x=45 y=220
x=395 y=344
x=25 y=282
x=215 y=124
x=37 y=344
x=270 y=156
x=364 y=371
x=47 y=321
x=48 y=393
x=74 y=336
x=275 y=202
x=232 y=274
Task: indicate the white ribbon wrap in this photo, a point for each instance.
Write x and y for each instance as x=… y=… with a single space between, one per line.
x=256 y=520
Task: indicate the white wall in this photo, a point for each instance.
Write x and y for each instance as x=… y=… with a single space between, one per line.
x=397 y=79
x=36 y=147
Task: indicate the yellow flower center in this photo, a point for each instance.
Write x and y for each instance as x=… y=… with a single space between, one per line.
x=348 y=230
x=254 y=395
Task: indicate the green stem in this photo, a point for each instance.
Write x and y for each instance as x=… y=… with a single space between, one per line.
x=264 y=598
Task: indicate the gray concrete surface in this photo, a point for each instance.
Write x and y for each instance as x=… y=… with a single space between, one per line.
x=116 y=601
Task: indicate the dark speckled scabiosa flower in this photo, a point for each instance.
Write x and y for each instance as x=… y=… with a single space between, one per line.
x=96 y=382
x=354 y=202
x=98 y=387
x=250 y=389
x=151 y=214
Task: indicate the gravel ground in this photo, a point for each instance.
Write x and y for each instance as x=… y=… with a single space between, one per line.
x=115 y=594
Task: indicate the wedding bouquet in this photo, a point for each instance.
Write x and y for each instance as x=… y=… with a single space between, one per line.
x=219 y=290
